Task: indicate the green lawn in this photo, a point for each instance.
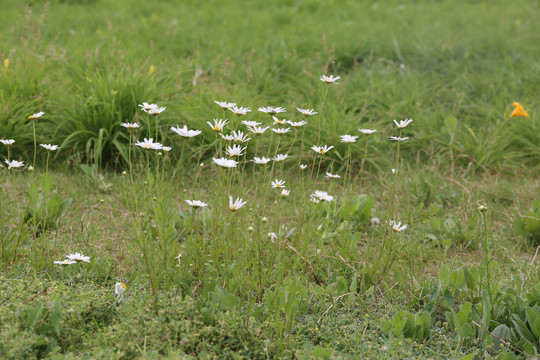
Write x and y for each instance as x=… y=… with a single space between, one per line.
x=307 y=275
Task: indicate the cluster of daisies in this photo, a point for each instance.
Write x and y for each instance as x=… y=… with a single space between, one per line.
x=9 y=142
x=239 y=140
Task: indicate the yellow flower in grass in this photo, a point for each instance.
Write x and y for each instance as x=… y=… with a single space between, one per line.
x=518 y=110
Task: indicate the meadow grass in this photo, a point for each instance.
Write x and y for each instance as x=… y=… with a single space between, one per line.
x=327 y=275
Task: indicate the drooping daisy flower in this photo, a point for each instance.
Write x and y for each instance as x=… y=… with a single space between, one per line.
x=261 y=161
x=278 y=121
x=321 y=195
x=65 y=262
x=218 y=124
x=36 y=115
x=78 y=257
x=235 y=150
x=184 y=132
x=332 y=176
x=7 y=142
x=272 y=236
x=250 y=123
x=367 y=131
x=285 y=193
x=258 y=130
x=397 y=138
x=224 y=162
x=119 y=288
x=130 y=125
x=49 y=147
x=307 y=112
x=396 y=226
x=226 y=137
x=14 y=164
x=149 y=144
x=225 y=105
x=298 y=123
x=281 y=131
x=240 y=137
x=330 y=79
x=403 y=123
x=156 y=110
x=281 y=157
x=239 y=111
x=395 y=171
x=278 y=184
x=348 y=138
x=322 y=149
x=519 y=110
x=196 y=203
x=271 y=110
x=303 y=166
x=236 y=204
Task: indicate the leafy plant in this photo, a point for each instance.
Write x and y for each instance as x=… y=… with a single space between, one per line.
x=406 y=324
x=528 y=225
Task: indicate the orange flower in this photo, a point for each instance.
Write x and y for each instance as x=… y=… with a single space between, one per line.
x=519 y=110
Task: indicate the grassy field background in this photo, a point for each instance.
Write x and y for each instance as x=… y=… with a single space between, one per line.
x=334 y=283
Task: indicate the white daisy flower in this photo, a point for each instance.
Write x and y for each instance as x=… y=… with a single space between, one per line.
x=330 y=79
x=130 y=125
x=78 y=257
x=395 y=171
x=218 y=124
x=348 y=138
x=403 y=123
x=14 y=164
x=258 y=130
x=236 y=204
x=322 y=149
x=367 y=131
x=285 y=193
x=396 y=226
x=298 y=123
x=303 y=166
x=119 y=288
x=397 y=138
x=239 y=111
x=307 y=112
x=262 y=161
x=279 y=122
x=225 y=105
x=281 y=157
x=250 y=123
x=7 y=142
x=49 y=147
x=156 y=110
x=224 y=162
x=166 y=148
x=272 y=236
x=321 y=195
x=196 y=203
x=281 y=131
x=240 y=137
x=271 y=110
x=235 y=150
x=36 y=115
x=65 y=262
x=149 y=144
x=278 y=184
x=314 y=199
x=332 y=176
x=146 y=106
x=184 y=132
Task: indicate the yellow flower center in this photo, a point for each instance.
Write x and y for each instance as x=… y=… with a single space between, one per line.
x=216 y=128
x=233 y=208
x=148 y=146
x=124 y=286
x=321 y=151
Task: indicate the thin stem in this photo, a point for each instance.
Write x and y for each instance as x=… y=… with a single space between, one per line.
x=320 y=114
